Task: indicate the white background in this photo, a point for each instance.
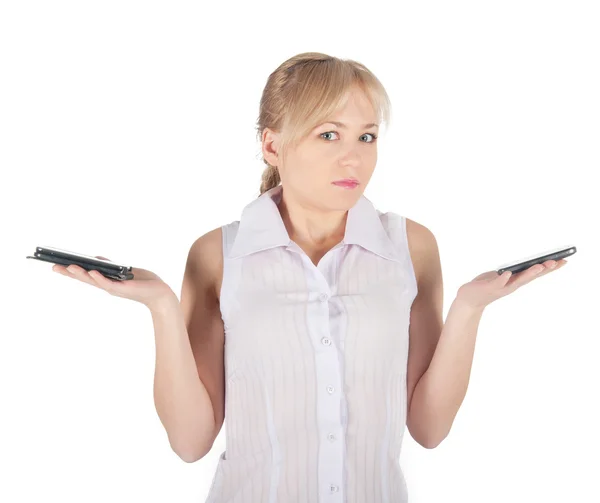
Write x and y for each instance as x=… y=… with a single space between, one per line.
x=127 y=131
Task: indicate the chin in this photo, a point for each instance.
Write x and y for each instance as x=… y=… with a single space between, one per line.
x=346 y=197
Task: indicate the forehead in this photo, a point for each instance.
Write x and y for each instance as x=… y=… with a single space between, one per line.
x=344 y=125
x=355 y=111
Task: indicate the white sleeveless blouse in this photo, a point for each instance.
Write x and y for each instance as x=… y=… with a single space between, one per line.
x=315 y=361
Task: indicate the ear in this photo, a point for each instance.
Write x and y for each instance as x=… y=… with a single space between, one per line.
x=270 y=146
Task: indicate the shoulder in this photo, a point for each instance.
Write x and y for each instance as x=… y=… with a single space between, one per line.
x=421 y=241
x=417 y=234
x=207 y=246
x=422 y=244
x=206 y=253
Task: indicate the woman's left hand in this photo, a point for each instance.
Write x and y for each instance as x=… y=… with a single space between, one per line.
x=490 y=286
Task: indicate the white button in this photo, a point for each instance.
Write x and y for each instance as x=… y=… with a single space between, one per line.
x=326 y=341
x=323 y=297
x=330 y=389
x=331 y=437
x=333 y=488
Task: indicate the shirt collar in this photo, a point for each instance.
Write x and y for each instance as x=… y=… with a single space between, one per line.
x=261 y=228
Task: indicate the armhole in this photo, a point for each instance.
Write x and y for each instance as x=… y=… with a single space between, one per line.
x=409 y=262
x=395 y=226
x=229 y=232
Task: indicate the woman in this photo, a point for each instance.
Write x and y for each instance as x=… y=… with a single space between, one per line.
x=297 y=319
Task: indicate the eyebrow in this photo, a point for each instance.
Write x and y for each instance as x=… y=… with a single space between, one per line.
x=342 y=125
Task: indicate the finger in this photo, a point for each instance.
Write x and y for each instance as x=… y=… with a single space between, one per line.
x=560 y=263
x=536 y=269
x=551 y=265
x=73 y=269
x=525 y=276
x=80 y=273
x=101 y=280
x=503 y=278
x=557 y=266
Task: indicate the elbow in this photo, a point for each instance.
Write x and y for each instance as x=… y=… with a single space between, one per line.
x=190 y=455
x=430 y=444
x=429 y=432
x=433 y=441
x=425 y=438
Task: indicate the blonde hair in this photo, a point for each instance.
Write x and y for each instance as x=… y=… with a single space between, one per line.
x=303 y=92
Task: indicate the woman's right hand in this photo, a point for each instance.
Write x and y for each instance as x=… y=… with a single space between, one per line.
x=145 y=287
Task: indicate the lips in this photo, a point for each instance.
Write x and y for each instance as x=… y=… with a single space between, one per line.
x=347 y=182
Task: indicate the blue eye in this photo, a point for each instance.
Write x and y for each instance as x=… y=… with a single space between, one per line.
x=370 y=134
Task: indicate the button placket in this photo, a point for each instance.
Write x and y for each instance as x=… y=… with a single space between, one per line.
x=328 y=372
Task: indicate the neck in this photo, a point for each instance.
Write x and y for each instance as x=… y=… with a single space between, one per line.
x=312 y=226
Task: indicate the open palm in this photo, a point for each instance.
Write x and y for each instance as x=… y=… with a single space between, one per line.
x=145 y=287
x=490 y=286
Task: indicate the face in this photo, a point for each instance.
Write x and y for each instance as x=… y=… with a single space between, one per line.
x=330 y=153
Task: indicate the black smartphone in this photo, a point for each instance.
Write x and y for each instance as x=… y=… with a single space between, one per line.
x=526 y=263
x=107 y=268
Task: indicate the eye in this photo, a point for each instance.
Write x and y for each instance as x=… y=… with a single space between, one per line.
x=335 y=132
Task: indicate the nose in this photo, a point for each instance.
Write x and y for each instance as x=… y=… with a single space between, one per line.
x=350 y=155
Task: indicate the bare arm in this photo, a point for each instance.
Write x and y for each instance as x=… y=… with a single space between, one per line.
x=189 y=375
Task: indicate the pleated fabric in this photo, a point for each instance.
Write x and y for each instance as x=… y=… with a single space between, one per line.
x=315 y=360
